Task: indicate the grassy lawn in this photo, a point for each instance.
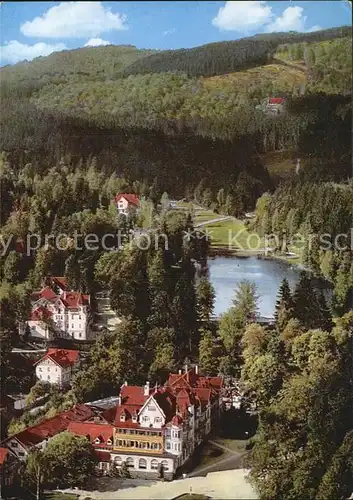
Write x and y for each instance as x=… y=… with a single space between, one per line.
x=205 y=215
x=238 y=445
x=232 y=234
x=191 y=496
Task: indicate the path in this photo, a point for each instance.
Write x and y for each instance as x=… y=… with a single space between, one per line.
x=232 y=460
x=218 y=219
x=228 y=484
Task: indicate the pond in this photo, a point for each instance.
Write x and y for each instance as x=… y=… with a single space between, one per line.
x=226 y=272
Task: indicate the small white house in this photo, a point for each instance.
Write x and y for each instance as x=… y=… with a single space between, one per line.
x=56 y=366
x=126 y=202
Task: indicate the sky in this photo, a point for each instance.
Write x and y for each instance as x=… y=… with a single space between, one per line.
x=32 y=29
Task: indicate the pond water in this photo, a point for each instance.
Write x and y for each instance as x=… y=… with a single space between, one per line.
x=226 y=272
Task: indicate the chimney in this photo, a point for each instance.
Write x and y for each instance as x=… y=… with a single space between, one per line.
x=119 y=400
x=146 y=389
x=186 y=367
x=197 y=369
x=125 y=383
x=179 y=372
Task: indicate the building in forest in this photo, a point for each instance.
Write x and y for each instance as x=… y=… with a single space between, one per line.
x=127 y=202
x=57 y=311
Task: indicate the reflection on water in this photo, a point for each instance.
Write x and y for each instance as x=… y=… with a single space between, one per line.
x=226 y=272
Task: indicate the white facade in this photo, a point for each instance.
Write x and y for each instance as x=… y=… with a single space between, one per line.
x=151 y=415
x=141 y=463
x=70 y=322
x=122 y=206
x=49 y=372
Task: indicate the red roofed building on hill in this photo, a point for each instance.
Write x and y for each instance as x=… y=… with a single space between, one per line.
x=126 y=202
x=152 y=430
x=58 y=311
x=56 y=366
x=38 y=436
x=156 y=427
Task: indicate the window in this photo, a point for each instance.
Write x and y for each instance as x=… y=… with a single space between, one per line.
x=21 y=454
x=168 y=445
x=158 y=419
x=165 y=464
x=145 y=418
x=117 y=461
x=134 y=418
x=48 y=377
x=122 y=417
x=130 y=463
x=40 y=369
x=14 y=444
x=109 y=442
x=79 y=317
x=97 y=440
x=80 y=334
x=168 y=433
x=151 y=408
x=154 y=464
x=48 y=368
x=142 y=463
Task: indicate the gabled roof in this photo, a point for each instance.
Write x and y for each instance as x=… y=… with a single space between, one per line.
x=129 y=197
x=276 y=100
x=3 y=455
x=45 y=293
x=62 y=357
x=59 y=281
x=40 y=313
x=88 y=429
x=132 y=395
x=52 y=426
x=74 y=299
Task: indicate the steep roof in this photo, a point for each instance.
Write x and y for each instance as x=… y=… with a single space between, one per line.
x=3 y=455
x=132 y=395
x=59 y=281
x=74 y=299
x=52 y=426
x=276 y=100
x=45 y=293
x=129 y=197
x=62 y=357
x=92 y=431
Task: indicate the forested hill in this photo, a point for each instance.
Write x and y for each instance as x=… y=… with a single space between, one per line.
x=172 y=130
x=225 y=57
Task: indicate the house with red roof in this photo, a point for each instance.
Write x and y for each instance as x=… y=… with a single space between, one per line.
x=126 y=202
x=8 y=468
x=154 y=428
x=56 y=366
x=58 y=311
x=38 y=435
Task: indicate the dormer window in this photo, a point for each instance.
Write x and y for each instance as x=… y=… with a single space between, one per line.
x=122 y=417
x=109 y=442
x=134 y=418
x=97 y=441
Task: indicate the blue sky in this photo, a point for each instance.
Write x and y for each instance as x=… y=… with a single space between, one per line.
x=31 y=29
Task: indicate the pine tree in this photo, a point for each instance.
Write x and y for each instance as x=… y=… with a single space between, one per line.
x=325 y=314
x=305 y=302
x=284 y=306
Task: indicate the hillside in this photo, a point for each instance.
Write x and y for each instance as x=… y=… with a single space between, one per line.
x=92 y=63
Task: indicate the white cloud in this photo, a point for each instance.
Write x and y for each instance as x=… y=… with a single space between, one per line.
x=96 y=42
x=316 y=27
x=291 y=19
x=74 y=20
x=242 y=16
x=169 y=32
x=14 y=51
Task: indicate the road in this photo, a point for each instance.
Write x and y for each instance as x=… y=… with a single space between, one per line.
x=231 y=460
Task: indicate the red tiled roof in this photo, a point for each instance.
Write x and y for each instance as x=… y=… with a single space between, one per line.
x=132 y=395
x=60 y=281
x=45 y=293
x=40 y=313
x=129 y=197
x=92 y=431
x=276 y=100
x=128 y=412
x=177 y=420
x=62 y=357
x=52 y=426
x=3 y=455
x=74 y=299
